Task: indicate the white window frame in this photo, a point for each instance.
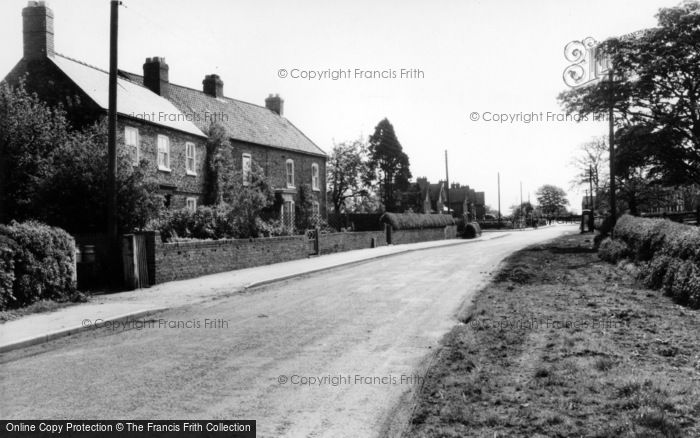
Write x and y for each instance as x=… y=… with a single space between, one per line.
x=191 y=203
x=246 y=169
x=190 y=147
x=163 y=140
x=289 y=175
x=315 y=178
x=287 y=214
x=136 y=144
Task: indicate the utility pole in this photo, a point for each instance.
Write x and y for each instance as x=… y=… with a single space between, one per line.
x=499 y=200
x=447 y=177
x=521 y=203
x=611 y=140
x=591 y=207
x=112 y=233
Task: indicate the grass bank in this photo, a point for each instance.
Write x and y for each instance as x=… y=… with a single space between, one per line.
x=562 y=344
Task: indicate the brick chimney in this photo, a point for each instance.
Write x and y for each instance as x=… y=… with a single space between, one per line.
x=275 y=103
x=37 y=30
x=155 y=75
x=213 y=86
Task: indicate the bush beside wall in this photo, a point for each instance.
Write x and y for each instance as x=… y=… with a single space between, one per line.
x=669 y=252
x=36 y=262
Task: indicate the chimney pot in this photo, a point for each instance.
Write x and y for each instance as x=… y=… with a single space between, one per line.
x=155 y=75
x=37 y=30
x=212 y=85
x=275 y=104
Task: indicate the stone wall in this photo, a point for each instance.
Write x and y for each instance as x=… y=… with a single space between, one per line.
x=339 y=242
x=399 y=237
x=182 y=260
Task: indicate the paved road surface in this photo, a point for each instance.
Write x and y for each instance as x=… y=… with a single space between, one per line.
x=365 y=332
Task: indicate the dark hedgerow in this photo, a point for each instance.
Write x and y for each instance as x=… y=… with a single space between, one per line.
x=415 y=221
x=670 y=252
x=613 y=250
x=36 y=262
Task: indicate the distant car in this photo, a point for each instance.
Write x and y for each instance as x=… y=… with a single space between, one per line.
x=489 y=217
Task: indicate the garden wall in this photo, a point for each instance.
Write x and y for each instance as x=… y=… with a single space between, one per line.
x=182 y=260
x=399 y=237
x=189 y=259
x=339 y=242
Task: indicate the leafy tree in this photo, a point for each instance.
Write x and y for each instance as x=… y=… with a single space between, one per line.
x=29 y=132
x=219 y=164
x=345 y=170
x=552 y=199
x=592 y=156
x=57 y=175
x=388 y=164
x=248 y=199
x=304 y=215
x=523 y=210
x=72 y=195
x=655 y=97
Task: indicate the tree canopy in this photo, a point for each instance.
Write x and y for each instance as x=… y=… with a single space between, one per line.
x=388 y=163
x=551 y=199
x=55 y=174
x=655 y=95
x=346 y=168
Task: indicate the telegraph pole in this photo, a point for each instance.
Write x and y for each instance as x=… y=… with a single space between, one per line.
x=499 y=199
x=447 y=177
x=112 y=233
x=521 y=203
x=611 y=140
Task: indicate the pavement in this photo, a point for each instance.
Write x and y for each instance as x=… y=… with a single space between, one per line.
x=110 y=308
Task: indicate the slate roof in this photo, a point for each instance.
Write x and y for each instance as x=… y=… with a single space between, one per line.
x=131 y=98
x=244 y=121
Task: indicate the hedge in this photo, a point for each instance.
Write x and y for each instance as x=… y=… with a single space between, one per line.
x=471 y=230
x=36 y=262
x=415 y=221
x=668 y=251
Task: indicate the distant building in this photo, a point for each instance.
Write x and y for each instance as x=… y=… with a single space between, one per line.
x=424 y=197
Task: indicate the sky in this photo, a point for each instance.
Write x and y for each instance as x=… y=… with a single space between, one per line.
x=465 y=63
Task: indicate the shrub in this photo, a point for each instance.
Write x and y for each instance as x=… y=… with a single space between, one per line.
x=656 y=270
x=270 y=228
x=603 y=230
x=671 y=249
x=414 y=221
x=39 y=260
x=471 y=230
x=613 y=250
x=203 y=223
x=8 y=249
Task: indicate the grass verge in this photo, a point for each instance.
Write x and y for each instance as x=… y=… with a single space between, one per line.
x=562 y=344
x=42 y=306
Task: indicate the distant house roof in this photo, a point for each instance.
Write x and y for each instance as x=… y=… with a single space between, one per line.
x=436 y=191
x=132 y=99
x=243 y=121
